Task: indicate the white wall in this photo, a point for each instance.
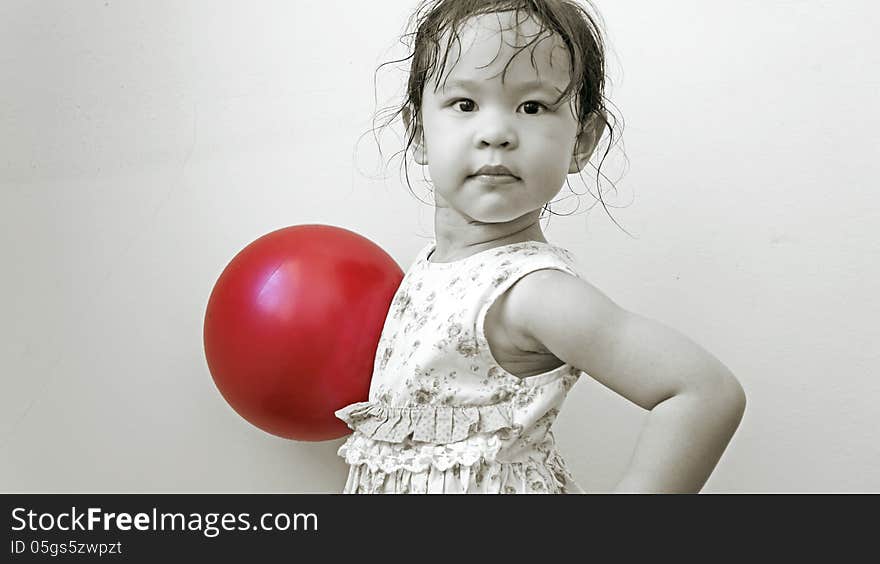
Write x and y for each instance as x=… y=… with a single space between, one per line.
x=142 y=144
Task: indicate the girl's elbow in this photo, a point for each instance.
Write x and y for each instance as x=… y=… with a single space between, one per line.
x=722 y=392
x=730 y=397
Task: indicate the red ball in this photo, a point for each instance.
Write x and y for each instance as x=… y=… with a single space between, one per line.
x=292 y=326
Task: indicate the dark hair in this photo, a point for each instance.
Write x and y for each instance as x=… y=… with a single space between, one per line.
x=577 y=28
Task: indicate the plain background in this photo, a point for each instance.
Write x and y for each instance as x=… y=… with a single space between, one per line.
x=143 y=144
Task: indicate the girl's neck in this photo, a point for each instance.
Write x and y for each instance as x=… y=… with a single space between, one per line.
x=457 y=237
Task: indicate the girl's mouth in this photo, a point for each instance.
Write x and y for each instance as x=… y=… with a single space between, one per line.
x=494 y=175
x=494 y=179
x=494 y=170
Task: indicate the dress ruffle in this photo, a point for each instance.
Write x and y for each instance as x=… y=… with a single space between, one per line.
x=426 y=423
x=388 y=457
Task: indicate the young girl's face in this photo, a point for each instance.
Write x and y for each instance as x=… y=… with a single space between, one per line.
x=475 y=120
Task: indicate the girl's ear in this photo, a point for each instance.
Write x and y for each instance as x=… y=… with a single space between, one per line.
x=587 y=141
x=420 y=154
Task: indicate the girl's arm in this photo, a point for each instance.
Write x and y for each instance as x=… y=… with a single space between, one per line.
x=696 y=403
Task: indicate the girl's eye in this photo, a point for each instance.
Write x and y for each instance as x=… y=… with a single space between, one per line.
x=532 y=107
x=464 y=105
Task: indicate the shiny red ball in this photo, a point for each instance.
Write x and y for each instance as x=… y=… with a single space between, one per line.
x=292 y=325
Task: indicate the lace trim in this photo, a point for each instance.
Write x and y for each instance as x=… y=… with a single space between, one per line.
x=469 y=466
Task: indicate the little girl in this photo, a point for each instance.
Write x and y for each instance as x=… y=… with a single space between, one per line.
x=492 y=325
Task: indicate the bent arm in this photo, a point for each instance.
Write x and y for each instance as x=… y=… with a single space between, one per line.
x=696 y=403
x=685 y=434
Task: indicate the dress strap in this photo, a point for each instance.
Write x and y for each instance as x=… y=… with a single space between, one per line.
x=506 y=274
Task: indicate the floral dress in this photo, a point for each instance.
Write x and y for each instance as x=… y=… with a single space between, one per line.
x=442 y=415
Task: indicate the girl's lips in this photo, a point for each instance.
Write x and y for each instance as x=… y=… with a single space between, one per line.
x=495 y=178
x=496 y=169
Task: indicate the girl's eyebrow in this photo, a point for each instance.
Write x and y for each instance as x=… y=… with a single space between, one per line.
x=521 y=87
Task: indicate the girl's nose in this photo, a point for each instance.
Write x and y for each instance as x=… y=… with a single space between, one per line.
x=495 y=131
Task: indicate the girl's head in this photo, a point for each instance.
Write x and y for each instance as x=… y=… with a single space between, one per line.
x=512 y=83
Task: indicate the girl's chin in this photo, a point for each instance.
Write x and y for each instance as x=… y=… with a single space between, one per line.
x=495 y=214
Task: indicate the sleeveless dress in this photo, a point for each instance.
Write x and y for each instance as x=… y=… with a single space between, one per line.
x=442 y=415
